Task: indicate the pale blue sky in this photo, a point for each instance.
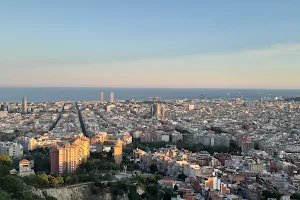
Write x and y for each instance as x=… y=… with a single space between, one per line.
x=169 y=43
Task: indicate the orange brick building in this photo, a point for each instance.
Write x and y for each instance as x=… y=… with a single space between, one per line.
x=68 y=155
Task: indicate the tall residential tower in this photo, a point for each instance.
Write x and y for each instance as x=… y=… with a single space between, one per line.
x=101 y=97
x=68 y=155
x=118 y=151
x=112 y=97
x=24 y=105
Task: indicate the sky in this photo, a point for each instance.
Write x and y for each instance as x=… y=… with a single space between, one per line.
x=136 y=43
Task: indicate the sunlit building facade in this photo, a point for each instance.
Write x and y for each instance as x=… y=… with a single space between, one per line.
x=68 y=156
x=118 y=151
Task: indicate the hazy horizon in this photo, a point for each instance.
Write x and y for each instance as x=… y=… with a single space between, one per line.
x=42 y=94
x=100 y=87
x=169 y=44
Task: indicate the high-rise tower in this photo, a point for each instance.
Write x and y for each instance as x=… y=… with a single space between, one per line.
x=158 y=110
x=24 y=105
x=112 y=97
x=162 y=111
x=118 y=151
x=68 y=155
x=101 y=97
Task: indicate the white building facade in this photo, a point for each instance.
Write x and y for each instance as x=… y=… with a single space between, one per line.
x=11 y=149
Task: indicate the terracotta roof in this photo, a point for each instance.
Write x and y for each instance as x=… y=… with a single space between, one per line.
x=24 y=161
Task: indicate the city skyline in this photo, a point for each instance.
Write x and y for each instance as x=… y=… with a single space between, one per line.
x=150 y=45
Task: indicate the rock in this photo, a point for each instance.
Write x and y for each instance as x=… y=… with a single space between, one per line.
x=75 y=192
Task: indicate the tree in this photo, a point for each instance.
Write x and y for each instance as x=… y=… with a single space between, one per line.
x=168 y=194
x=153 y=168
x=75 y=179
x=27 y=195
x=134 y=196
x=6 y=160
x=53 y=181
x=36 y=181
x=119 y=188
x=13 y=185
x=60 y=180
x=152 y=189
x=175 y=188
x=99 y=184
x=5 y=165
x=50 y=198
x=4 y=195
x=107 y=177
x=295 y=196
x=4 y=170
x=182 y=176
x=68 y=179
x=271 y=194
x=94 y=189
x=153 y=179
x=45 y=178
x=136 y=166
x=41 y=159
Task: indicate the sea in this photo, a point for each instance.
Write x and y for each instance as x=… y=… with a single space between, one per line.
x=43 y=94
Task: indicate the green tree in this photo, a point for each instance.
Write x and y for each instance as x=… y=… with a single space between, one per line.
x=13 y=185
x=182 y=176
x=68 y=179
x=295 y=196
x=54 y=181
x=75 y=179
x=60 y=180
x=168 y=194
x=27 y=195
x=134 y=196
x=175 y=188
x=94 y=189
x=4 y=195
x=45 y=178
x=153 y=179
x=271 y=194
x=50 y=198
x=4 y=170
x=99 y=184
x=35 y=180
x=107 y=177
x=153 y=168
x=152 y=190
x=5 y=165
x=6 y=160
x=41 y=159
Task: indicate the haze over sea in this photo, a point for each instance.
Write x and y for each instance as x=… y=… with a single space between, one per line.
x=41 y=94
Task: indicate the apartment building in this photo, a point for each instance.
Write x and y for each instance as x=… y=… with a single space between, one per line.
x=68 y=155
x=11 y=149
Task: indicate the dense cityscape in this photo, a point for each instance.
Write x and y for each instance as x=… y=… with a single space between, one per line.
x=152 y=149
x=150 y=100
